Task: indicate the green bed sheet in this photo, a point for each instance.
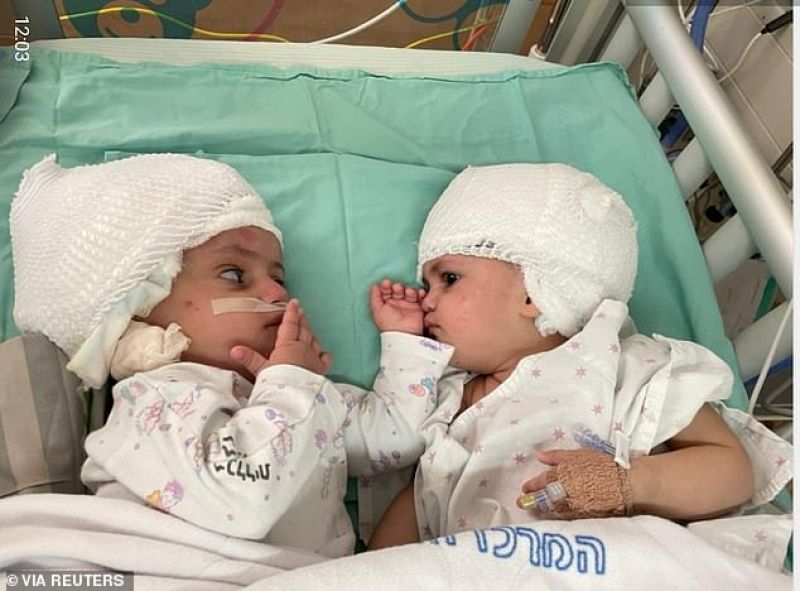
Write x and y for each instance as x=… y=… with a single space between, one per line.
x=350 y=162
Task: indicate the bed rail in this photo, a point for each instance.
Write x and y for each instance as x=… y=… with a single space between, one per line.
x=763 y=223
x=764 y=220
x=749 y=180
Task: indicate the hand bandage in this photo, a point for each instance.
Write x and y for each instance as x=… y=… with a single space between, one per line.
x=585 y=485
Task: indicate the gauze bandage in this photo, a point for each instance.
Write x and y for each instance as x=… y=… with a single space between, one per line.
x=225 y=305
x=586 y=484
x=144 y=347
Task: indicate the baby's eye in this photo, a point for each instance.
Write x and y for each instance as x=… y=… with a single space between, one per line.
x=234 y=275
x=280 y=281
x=449 y=278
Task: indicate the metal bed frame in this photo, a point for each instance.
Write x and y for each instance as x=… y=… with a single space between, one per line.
x=763 y=223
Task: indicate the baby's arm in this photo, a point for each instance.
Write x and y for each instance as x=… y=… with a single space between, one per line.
x=382 y=431
x=191 y=450
x=706 y=473
x=179 y=439
x=398 y=525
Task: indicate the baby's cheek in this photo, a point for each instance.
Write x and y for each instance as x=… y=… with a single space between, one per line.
x=249 y=329
x=268 y=346
x=228 y=329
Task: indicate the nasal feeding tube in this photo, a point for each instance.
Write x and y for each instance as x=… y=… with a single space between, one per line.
x=225 y=305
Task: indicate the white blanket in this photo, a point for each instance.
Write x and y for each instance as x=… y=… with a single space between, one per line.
x=85 y=532
x=94 y=533
x=599 y=554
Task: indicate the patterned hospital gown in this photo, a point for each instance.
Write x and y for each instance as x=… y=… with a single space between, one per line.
x=267 y=461
x=633 y=393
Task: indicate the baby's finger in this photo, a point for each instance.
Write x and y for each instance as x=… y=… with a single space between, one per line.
x=552 y=457
x=386 y=289
x=375 y=299
x=398 y=291
x=315 y=346
x=304 y=333
x=289 y=327
x=411 y=295
x=538 y=482
x=421 y=293
x=327 y=361
x=249 y=358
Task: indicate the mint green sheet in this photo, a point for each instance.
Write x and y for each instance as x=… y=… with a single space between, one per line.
x=350 y=163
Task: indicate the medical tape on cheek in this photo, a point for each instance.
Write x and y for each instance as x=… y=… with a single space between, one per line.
x=225 y=305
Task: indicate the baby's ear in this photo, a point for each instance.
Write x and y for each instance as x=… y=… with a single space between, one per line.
x=529 y=309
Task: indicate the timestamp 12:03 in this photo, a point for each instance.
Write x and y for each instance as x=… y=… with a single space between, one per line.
x=21 y=45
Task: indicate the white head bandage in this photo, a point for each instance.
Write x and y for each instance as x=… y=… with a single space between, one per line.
x=95 y=245
x=573 y=237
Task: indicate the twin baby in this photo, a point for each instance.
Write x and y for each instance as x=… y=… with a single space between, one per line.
x=508 y=379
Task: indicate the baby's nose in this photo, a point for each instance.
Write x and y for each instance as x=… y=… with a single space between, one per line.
x=271 y=291
x=428 y=303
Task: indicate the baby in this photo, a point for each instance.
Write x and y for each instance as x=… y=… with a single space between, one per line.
x=166 y=271
x=527 y=269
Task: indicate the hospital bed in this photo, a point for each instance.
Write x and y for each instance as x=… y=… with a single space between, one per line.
x=350 y=146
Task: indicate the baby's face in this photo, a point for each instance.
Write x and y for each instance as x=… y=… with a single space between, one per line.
x=241 y=263
x=478 y=306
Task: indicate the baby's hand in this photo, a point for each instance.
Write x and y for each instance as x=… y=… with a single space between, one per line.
x=396 y=307
x=295 y=344
x=583 y=484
